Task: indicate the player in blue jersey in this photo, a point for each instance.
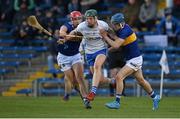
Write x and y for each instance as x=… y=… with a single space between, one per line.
x=126 y=38
x=70 y=59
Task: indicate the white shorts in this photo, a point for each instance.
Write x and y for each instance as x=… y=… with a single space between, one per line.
x=66 y=62
x=135 y=63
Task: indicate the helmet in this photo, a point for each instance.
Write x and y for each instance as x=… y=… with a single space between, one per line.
x=91 y=13
x=117 y=18
x=75 y=14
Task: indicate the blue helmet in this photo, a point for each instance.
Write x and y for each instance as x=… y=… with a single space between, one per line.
x=117 y=18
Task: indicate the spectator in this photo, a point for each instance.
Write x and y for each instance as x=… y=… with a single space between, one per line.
x=169 y=25
x=6 y=11
x=62 y=3
x=23 y=9
x=24 y=4
x=43 y=4
x=176 y=9
x=59 y=9
x=98 y=6
x=131 y=11
x=147 y=15
x=48 y=21
x=92 y=4
x=176 y=2
x=74 y=5
x=23 y=34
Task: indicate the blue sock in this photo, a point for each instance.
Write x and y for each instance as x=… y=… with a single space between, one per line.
x=94 y=89
x=118 y=96
x=113 y=81
x=66 y=96
x=152 y=94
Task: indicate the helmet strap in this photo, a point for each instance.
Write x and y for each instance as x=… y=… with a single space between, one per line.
x=121 y=25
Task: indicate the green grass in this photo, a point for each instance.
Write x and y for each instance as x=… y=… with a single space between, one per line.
x=26 y=107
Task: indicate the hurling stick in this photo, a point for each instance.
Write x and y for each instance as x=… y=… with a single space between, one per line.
x=74 y=36
x=32 y=21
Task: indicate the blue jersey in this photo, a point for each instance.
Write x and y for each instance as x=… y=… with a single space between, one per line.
x=69 y=48
x=130 y=45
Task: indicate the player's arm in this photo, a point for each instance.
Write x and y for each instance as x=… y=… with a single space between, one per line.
x=62 y=34
x=75 y=35
x=72 y=36
x=115 y=43
x=111 y=33
x=63 y=31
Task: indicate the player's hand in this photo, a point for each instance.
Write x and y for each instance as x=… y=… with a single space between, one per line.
x=61 y=41
x=67 y=37
x=103 y=33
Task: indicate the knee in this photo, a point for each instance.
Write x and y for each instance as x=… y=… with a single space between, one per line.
x=79 y=79
x=119 y=78
x=66 y=79
x=79 y=76
x=97 y=67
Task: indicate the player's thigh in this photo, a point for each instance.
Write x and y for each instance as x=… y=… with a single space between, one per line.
x=78 y=70
x=124 y=72
x=99 y=61
x=69 y=75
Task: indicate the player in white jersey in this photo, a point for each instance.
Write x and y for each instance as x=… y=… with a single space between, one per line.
x=95 y=47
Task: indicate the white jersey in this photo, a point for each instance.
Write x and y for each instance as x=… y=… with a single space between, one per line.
x=91 y=36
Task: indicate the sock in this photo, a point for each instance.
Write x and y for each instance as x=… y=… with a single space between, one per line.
x=113 y=81
x=118 y=96
x=66 y=96
x=111 y=90
x=84 y=99
x=152 y=94
x=94 y=89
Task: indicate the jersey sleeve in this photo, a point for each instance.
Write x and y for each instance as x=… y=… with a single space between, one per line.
x=106 y=26
x=126 y=32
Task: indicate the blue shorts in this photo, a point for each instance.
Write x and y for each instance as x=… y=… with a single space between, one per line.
x=90 y=58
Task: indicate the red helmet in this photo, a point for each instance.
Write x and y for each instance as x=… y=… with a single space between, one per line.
x=75 y=14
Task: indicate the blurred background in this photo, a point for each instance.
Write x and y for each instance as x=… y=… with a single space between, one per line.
x=28 y=64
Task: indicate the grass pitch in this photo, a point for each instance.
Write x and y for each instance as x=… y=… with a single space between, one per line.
x=54 y=107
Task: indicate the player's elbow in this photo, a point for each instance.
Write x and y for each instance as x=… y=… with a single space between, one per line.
x=116 y=46
x=118 y=42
